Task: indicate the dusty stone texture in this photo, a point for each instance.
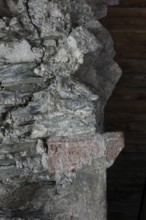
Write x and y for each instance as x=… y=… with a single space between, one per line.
x=67 y=155
x=86 y=190
x=57 y=71
x=80 y=167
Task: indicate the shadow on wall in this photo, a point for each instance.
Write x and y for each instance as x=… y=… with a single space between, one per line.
x=125 y=182
x=126 y=178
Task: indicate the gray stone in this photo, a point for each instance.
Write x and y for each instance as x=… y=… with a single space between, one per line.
x=57 y=71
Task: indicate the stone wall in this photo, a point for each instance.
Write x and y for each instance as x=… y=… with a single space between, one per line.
x=57 y=72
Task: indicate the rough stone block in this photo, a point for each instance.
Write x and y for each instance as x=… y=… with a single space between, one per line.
x=67 y=155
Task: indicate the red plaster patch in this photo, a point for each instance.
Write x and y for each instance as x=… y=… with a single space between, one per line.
x=68 y=155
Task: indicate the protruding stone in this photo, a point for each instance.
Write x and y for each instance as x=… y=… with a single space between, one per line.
x=67 y=155
x=18 y=52
x=114 y=144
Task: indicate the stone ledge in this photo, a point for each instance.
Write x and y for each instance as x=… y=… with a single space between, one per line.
x=67 y=155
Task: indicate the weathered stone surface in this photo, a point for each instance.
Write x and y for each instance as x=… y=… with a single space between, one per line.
x=18 y=52
x=84 y=197
x=71 y=155
x=67 y=155
x=114 y=143
x=57 y=71
x=80 y=168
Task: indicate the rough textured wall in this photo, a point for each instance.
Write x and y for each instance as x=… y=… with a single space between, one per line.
x=56 y=74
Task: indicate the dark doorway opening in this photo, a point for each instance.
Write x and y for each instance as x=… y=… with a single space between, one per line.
x=126 y=110
x=125 y=179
